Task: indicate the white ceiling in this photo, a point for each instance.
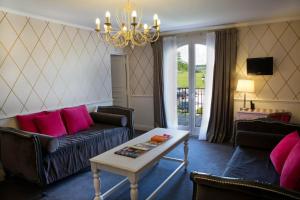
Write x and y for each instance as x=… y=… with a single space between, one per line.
x=174 y=14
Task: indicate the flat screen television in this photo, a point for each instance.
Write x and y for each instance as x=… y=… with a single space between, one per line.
x=260 y=66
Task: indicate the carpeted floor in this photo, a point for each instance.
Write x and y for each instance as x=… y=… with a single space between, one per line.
x=203 y=156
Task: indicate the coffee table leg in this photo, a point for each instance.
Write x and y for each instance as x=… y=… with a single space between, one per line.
x=97 y=182
x=133 y=187
x=186 y=150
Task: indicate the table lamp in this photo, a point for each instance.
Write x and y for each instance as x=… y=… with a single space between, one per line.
x=245 y=86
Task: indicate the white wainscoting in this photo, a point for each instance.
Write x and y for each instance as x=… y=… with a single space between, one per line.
x=143 y=111
x=289 y=106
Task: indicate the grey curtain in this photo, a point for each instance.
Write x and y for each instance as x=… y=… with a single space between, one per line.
x=221 y=117
x=158 y=89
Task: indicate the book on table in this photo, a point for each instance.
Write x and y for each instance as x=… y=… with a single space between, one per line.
x=136 y=150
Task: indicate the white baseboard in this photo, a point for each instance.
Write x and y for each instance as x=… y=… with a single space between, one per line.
x=143 y=127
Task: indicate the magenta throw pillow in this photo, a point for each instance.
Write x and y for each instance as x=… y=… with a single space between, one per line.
x=50 y=124
x=86 y=114
x=281 y=151
x=290 y=176
x=26 y=122
x=74 y=119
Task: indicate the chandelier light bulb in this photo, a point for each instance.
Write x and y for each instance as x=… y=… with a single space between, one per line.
x=134 y=14
x=97 y=24
x=146 y=26
x=107 y=14
x=97 y=21
x=124 y=28
x=158 y=22
x=107 y=17
x=155 y=18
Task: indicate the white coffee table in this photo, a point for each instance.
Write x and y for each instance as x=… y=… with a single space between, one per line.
x=133 y=167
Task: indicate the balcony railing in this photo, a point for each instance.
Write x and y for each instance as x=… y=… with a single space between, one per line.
x=183 y=106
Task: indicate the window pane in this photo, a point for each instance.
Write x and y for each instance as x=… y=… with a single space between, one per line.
x=183 y=85
x=200 y=62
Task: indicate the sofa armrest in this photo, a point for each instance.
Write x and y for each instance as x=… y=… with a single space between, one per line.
x=210 y=187
x=108 y=118
x=48 y=143
x=128 y=112
x=21 y=155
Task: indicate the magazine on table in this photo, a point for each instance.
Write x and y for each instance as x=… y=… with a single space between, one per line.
x=136 y=150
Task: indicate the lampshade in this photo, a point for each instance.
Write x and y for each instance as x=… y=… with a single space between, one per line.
x=245 y=86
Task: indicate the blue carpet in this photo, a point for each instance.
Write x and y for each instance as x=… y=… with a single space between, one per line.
x=203 y=156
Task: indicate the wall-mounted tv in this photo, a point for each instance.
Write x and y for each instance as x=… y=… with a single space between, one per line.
x=260 y=66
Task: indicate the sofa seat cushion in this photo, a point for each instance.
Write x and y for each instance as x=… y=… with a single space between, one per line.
x=74 y=151
x=251 y=164
x=85 y=135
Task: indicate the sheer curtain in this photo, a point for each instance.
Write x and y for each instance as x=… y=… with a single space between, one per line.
x=210 y=45
x=170 y=80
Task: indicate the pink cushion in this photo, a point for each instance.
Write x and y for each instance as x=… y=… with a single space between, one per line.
x=290 y=176
x=86 y=114
x=281 y=151
x=26 y=122
x=74 y=119
x=51 y=124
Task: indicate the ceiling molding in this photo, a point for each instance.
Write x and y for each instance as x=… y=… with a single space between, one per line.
x=176 y=30
x=26 y=14
x=186 y=29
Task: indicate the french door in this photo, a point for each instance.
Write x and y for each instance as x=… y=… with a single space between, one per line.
x=191 y=62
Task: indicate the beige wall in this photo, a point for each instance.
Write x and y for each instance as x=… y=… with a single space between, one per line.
x=141 y=85
x=46 y=65
x=281 y=41
x=141 y=70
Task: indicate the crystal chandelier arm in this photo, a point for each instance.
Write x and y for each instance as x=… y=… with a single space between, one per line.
x=138 y=39
x=111 y=37
x=154 y=37
x=118 y=39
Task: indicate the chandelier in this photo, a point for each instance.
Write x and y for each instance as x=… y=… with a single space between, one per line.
x=129 y=29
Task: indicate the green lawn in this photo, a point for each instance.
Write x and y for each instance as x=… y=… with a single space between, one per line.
x=182 y=79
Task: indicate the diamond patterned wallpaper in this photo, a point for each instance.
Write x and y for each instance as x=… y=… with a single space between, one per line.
x=45 y=65
x=141 y=70
x=282 y=41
